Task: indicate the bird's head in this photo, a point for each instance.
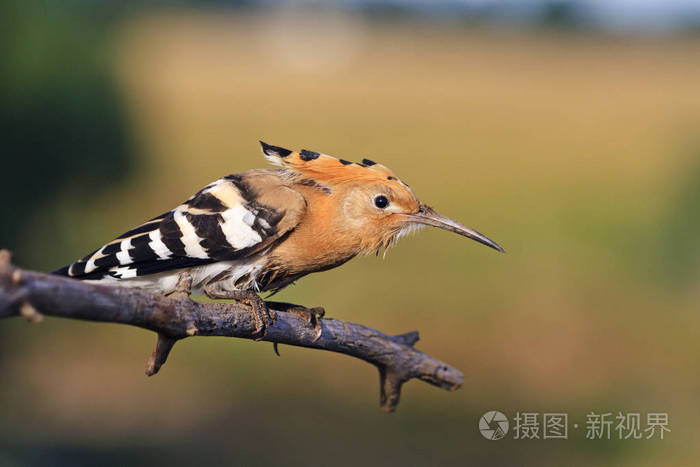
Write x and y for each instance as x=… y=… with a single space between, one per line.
x=374 y=202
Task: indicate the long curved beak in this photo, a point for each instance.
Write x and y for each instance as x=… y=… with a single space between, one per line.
x=428 y=216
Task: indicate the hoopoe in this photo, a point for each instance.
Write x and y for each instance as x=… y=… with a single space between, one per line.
x=262 y=229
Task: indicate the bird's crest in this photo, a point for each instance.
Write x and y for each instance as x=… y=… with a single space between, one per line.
x=324 y=168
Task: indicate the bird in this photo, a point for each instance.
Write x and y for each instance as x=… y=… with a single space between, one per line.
x=262 y=229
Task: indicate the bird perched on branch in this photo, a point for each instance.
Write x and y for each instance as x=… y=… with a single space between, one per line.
x=262 y=229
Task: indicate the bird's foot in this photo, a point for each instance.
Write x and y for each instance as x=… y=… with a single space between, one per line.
x=311 y=315
x=183 y=286
x=262 y=314
x=264 y=317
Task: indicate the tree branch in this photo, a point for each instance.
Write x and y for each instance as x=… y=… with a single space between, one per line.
x=174 y=317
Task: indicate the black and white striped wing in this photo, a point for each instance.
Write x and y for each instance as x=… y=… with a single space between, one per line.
x=227 y=220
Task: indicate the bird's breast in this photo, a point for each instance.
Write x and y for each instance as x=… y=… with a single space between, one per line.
x=306 y=252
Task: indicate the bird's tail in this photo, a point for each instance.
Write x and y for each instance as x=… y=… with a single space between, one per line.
x=62 y=271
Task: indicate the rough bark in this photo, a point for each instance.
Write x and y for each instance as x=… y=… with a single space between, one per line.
x=174 y=317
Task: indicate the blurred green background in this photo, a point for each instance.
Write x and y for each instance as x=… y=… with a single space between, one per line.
x=575 y=147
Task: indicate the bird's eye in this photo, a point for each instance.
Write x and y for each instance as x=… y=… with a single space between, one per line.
x=381 y=202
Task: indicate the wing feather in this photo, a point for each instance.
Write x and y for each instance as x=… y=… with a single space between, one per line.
x=232 y=218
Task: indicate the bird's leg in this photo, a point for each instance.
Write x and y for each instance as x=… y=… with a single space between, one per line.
x=263 y=315
x=184 y=284
x=311 y=315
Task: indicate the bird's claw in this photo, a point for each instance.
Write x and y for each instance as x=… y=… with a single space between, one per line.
x=315 y=315
x=312 y=316
x=262 y=314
